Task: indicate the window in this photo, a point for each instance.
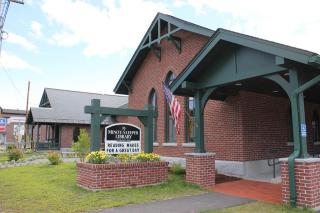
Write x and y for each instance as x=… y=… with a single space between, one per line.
x=316 y=126
x=170 y=127
x=153 y=101
x=76 y=133
x=190 y=120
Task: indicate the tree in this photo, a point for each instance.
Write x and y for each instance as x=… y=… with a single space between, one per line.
x=82 y=147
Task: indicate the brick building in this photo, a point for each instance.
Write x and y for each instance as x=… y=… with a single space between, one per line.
x=13 y=132
x=247 y=123
x=56 y=122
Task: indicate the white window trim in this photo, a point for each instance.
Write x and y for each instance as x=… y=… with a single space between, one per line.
x=189 y=145
x=169 y=144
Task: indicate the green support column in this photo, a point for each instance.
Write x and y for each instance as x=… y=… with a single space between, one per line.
x=95 y=125
x=199 y=128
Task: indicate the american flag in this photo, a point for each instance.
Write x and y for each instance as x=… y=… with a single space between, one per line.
x=174 y=106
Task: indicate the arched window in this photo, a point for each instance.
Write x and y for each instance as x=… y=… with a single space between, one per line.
x=76 y=133
x=153 y=101
x=190 y=119
x=316 y=126
x=170 y=127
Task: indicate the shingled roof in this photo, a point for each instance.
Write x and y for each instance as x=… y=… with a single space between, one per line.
x=65 y=106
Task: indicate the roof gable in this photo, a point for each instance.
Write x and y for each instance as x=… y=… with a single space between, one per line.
x=265 y=46
x=152 y=37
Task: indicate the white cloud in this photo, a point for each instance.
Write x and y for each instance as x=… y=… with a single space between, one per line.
x=105 y=29
x=291 y=22
x=11 y=61
x=36 y=28
x=22 y=41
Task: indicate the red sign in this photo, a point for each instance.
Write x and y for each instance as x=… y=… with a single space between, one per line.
x=2 y=128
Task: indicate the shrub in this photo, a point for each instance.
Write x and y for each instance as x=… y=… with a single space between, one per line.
x=177 y=169
x=124 y=157
x=11 y=147
x=82 y=146
x=98 y=157
x=146 y=157
x=28 y=151
x=15 y=154
x=54 y=158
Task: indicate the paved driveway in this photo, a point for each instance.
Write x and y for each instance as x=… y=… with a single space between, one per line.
x=188 y=204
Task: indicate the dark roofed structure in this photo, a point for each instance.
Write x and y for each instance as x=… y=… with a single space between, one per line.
x=61 y=113
x=65 y=106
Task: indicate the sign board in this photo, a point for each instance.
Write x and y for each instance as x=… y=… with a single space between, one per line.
x=122 y=138
x=3 y=121
x=16 y=120
x=303 y=130
x=3 y=129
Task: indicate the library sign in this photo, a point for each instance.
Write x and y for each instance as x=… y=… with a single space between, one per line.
x=122 y=138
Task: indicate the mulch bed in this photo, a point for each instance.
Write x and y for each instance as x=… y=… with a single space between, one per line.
x=224 y=178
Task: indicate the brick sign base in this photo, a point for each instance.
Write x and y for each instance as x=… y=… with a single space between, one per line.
x=125 y=175
x=200 y=169
x=307 y=174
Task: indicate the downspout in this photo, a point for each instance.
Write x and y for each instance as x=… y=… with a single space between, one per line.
x=297 y=140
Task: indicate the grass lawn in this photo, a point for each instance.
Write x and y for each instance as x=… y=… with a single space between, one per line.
x=259 y=207
x=45 y=188
x=4 y=155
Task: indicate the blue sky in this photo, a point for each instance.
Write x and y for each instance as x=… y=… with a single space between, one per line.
x=85 y=45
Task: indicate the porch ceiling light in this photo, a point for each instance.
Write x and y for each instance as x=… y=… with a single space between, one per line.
x=275 y=91
x=238 y=84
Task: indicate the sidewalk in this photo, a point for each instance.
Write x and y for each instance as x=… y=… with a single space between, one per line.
x=188 y=204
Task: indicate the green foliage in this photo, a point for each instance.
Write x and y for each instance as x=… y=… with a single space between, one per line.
x=82 y=146
x=11 y=147
x=177 y=169
x=146 y=157
x=54 y=158
x=15 y=154
x=28 y=151
x=100 y=157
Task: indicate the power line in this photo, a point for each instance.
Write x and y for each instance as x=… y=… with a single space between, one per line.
x=11 y=80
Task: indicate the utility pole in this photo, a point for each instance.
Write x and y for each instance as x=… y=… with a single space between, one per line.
x=26 y=126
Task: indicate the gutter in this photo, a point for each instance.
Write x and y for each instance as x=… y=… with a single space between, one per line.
x=297 y=139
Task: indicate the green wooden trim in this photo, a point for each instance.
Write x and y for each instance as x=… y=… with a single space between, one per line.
x=243 y=40
x=180 y=24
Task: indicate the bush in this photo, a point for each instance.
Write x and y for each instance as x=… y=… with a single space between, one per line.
x=82 y=146
x=15 y=154
x=11 y=147
x=54 y=158
x=146 y=157
x=98 y=157
x=177 y=169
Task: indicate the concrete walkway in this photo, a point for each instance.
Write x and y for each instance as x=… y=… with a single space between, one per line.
x=188 y=204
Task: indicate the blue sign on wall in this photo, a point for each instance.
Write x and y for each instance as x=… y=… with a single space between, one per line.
x=3 y=121
x=303 y=130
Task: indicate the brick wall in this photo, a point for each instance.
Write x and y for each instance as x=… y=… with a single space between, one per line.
x=307 y=174
x=150 y=75
x=241 y=128
x=200 y=169
x=107 y=176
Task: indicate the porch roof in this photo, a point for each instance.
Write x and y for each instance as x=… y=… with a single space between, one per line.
x=281 y=57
